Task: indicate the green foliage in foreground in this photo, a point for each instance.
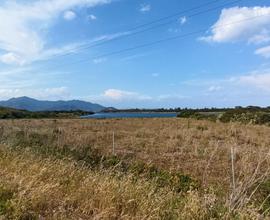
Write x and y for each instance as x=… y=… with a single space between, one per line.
x=9 y=113
x=264 y=192
x=5 y=197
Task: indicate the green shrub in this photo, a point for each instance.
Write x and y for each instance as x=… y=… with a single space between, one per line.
x=245 y=116
x=263 y=196
x=176 y=181
x=186 y=114
x=5 y=197
x=196 y=114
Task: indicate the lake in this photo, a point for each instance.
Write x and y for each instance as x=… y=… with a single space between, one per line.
x=132 y=115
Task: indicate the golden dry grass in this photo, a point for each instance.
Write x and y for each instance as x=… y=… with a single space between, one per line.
x=200 y=149
x=58 y=189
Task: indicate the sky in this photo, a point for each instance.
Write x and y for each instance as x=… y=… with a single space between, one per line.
x=137 y=53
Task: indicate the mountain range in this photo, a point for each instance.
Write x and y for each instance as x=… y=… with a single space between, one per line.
x=34 y=105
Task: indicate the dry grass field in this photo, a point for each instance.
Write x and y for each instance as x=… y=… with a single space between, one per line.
x=158 y=169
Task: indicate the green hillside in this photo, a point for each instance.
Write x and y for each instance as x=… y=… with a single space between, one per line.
x=10 y=113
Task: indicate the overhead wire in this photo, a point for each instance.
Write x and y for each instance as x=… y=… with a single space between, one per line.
x=163 y=40
x=130 y=33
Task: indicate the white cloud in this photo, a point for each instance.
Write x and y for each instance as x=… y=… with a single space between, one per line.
x=264 y=51
x=75 y=47
x=54 y=93
x=263 y=37
x=257 y=80
x=11 y=58
x=251 y=24
x=69 y=15
x=135 y=56
x=170 y=97
x=92 y=17
x=14 y=71
x=19 y=77
x=121 y=95
x=117 y=94
x=252 y=88
x=174 y=30
x=182 y=20
x=214 y=88
x=23 y=26
x=44 y=94
x=108 y=37
x=58 y=51
x=99 y=60
x=129 y=99
x=145 y=8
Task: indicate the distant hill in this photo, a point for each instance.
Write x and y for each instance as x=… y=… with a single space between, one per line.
x=29 y=104
x=109 y=109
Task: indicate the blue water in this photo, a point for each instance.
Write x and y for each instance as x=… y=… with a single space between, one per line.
x=131 y=115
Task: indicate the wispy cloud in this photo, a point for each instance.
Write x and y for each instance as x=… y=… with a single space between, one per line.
x=131 y=99
x=92 y=17
x=59 y=51
x=214 y=88
x=145 y=8
x=74 y=48
x=12 y=78
x=69 y=15
x=263 y=51
x=100 y=60
x=256 y=80
x=28 y=81
x=122 y=95
x=22 y=26
x=135 y=56
x=43 y=94
x=171 y=97
x=183 y=20
x=107 y=37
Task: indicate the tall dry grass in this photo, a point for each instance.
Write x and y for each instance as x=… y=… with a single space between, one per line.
x=57 y=189
x=31 y=151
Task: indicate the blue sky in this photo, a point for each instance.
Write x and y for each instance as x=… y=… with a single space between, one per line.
x=47 y=52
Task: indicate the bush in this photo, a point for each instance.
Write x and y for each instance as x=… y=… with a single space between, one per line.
x=245 y=116
x=263 y=196
x=186 y=114
x=5 y=197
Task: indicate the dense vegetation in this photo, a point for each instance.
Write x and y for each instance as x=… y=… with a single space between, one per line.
x=249 y=115
x=205 y=110
x=159 y=169
x=9 y=113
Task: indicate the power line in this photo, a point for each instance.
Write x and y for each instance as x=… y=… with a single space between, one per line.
x=130 y=33
x=176 y=14
x=164 y=40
